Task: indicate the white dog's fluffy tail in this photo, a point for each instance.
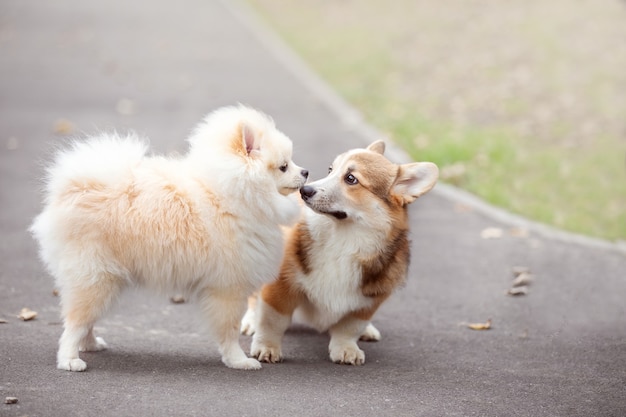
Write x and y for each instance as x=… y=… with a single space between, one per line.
x=102 y=159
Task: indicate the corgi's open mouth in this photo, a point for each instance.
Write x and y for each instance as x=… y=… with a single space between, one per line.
x=338 y=214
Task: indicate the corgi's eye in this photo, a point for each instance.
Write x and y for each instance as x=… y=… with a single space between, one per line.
x=284 y=167
x=351 y=179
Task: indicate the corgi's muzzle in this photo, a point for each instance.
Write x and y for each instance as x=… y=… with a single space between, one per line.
x=307 y=192
x=320 y=205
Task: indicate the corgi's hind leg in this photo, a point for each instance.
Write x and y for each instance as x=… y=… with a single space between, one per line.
x=82 y=305
x=370 y=334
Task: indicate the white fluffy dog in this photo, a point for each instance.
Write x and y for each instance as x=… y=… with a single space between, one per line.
x=206 y=224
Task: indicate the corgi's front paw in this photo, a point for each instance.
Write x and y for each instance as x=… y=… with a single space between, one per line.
x=266 y=353
x=347 y=354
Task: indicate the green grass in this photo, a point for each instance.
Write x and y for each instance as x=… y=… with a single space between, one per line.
x=539 y=134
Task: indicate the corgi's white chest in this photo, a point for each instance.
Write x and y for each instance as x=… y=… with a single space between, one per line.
x=333 y=285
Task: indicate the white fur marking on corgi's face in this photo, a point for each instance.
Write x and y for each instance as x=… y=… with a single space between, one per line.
x=363 y=184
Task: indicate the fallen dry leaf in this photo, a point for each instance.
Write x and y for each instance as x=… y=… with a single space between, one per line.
x=521 y=232
x=55 y=292
x=27 y=314
x=10 y=400
x=177 y=299
x=515 y=291
x=63 y=127
x=523 y=279
x=3 y=321
x=491 y=233
x=517 y=270
x=480 y=326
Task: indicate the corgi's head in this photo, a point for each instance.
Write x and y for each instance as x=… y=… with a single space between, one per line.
x=240 y=137
x=362 y=184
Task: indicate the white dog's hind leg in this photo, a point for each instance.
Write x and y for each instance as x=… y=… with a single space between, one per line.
x=224 y=313
x=82 y=306
x=67 y=356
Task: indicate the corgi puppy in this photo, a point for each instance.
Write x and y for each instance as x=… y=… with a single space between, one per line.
x=345 y=257
x=206 y=225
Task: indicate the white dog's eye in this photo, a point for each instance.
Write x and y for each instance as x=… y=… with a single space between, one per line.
x=330 y=169
x=351 y=179
x=284 y=167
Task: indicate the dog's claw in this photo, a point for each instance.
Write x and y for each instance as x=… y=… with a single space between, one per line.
x=267 y=354
x=348 y=355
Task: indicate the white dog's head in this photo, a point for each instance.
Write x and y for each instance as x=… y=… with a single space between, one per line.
x=364 y=185
x=240 y=137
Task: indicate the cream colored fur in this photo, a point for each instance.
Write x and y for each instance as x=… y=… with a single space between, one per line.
x=206 y=224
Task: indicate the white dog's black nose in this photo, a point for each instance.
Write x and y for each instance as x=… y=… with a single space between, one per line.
x=307 y=192
x=304 y=173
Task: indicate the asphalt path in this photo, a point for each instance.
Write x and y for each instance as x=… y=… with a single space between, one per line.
x=69 y=67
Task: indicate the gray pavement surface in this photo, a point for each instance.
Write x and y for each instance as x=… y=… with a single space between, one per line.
x=157 y=67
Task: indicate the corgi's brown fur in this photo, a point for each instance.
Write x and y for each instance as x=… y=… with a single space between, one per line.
x=345 y=257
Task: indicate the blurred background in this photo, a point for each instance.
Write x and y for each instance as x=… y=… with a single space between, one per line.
x=521 y=102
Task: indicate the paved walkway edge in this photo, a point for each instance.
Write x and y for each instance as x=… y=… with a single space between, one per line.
x=353 y=120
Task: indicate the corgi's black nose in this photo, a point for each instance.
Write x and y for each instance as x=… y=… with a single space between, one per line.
x=304 y=173
x=307 y=192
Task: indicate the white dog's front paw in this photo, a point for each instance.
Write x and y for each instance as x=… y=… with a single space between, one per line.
x=94 y=345
x=370 y=334
x=74 y=365
x=348 y=354
x=266 y=353
x=245 y=364
x=247 y=323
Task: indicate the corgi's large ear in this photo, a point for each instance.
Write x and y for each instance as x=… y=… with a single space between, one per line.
x=378 y=147
x=249 y=140
x=415 y=179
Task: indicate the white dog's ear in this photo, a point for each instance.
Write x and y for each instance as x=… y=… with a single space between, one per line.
x=378 y=147
x=249 y=139
x=415 y=179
